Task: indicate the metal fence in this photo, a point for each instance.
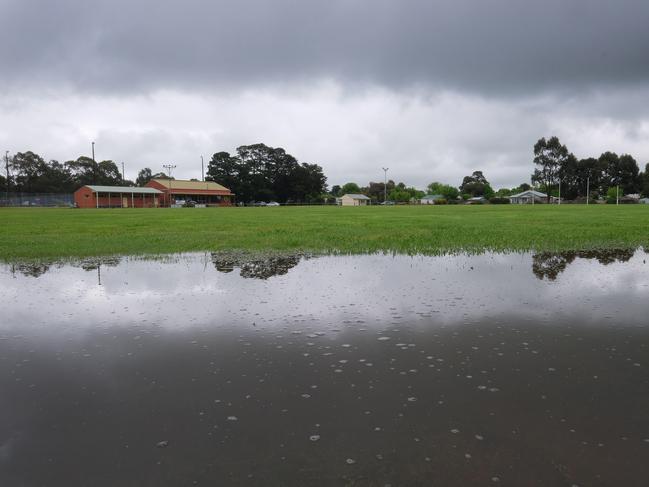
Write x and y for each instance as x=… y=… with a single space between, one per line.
x=36 y=199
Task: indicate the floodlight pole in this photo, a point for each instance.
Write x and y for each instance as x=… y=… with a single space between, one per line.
x=94 y=169
x=533 y=196
x=617 y=194
x=559 y=192
x=8 y=178
x=385 y=184
x=202 y=169
x=588 y=189
x=123 y=178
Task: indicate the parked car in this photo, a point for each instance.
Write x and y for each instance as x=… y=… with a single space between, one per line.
x=389 y=203
x=272 y=203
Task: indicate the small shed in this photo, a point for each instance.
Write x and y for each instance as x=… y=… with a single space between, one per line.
x=353 y=200
x=93 y=196
x=430 y=199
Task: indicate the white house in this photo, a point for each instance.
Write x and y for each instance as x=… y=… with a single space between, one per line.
x=526 y=197
x=430 y=199
x=353 y=200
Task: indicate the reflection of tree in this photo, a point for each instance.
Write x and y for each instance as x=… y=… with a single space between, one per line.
x=551 y=264
x=256 y=268
x=33 y=269
x=37 y=269
x=223 y=264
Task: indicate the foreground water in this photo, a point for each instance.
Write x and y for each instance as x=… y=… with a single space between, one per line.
x=519 y=369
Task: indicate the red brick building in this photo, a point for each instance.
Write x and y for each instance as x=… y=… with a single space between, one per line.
x=93 y=196
x=176 y=191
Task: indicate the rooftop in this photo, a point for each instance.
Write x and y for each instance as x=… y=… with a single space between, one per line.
x=355 y=196
x=123 y=189
x=190 y=185
x=529 y=192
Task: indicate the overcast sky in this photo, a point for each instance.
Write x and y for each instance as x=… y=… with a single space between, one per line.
x=432 y=89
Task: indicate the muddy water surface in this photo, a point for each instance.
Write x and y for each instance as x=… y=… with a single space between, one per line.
x=202 y=369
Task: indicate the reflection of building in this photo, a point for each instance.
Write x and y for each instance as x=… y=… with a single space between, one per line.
x=353 y=200
x=202 y=192
x=93 y=196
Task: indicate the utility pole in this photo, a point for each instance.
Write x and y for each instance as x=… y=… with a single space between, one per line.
x=8 y=178
x=385 y=184
x=169 y=168
x=617 y=194
x=202 y=169
x=559 y=191
x=588 y=189
x=123 y=178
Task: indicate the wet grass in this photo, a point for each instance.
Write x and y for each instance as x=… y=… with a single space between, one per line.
x=32 y=234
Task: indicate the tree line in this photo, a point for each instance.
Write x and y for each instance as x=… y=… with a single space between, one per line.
x=30 y=173
x=557 y=171
x=262 y=173
x=256 y=172
x=473 y=185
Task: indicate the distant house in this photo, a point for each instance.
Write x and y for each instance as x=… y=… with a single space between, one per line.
x=644 y=201
x=430 y=199
x=353 y=200
x=529 y=196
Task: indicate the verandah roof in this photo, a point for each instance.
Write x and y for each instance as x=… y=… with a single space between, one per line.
x=123 y=189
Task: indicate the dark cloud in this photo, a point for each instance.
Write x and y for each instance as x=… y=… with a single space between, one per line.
x=484 y=46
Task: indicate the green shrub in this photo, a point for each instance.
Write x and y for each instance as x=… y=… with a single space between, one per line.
x=499 y=201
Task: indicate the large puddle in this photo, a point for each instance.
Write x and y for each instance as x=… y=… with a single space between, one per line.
x=203 y=369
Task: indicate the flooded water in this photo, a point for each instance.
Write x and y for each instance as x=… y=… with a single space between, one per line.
x=496 y=369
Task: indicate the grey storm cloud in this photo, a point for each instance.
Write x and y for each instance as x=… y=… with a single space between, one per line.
x=432 y=89
x=496 y=47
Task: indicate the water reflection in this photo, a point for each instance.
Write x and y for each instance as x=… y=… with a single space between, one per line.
x=37 y=269
x=551 y=264
x=544 y=264
x=256 y=268
x=355 y=370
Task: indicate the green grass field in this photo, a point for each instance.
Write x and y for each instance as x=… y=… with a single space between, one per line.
x=32 y=234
